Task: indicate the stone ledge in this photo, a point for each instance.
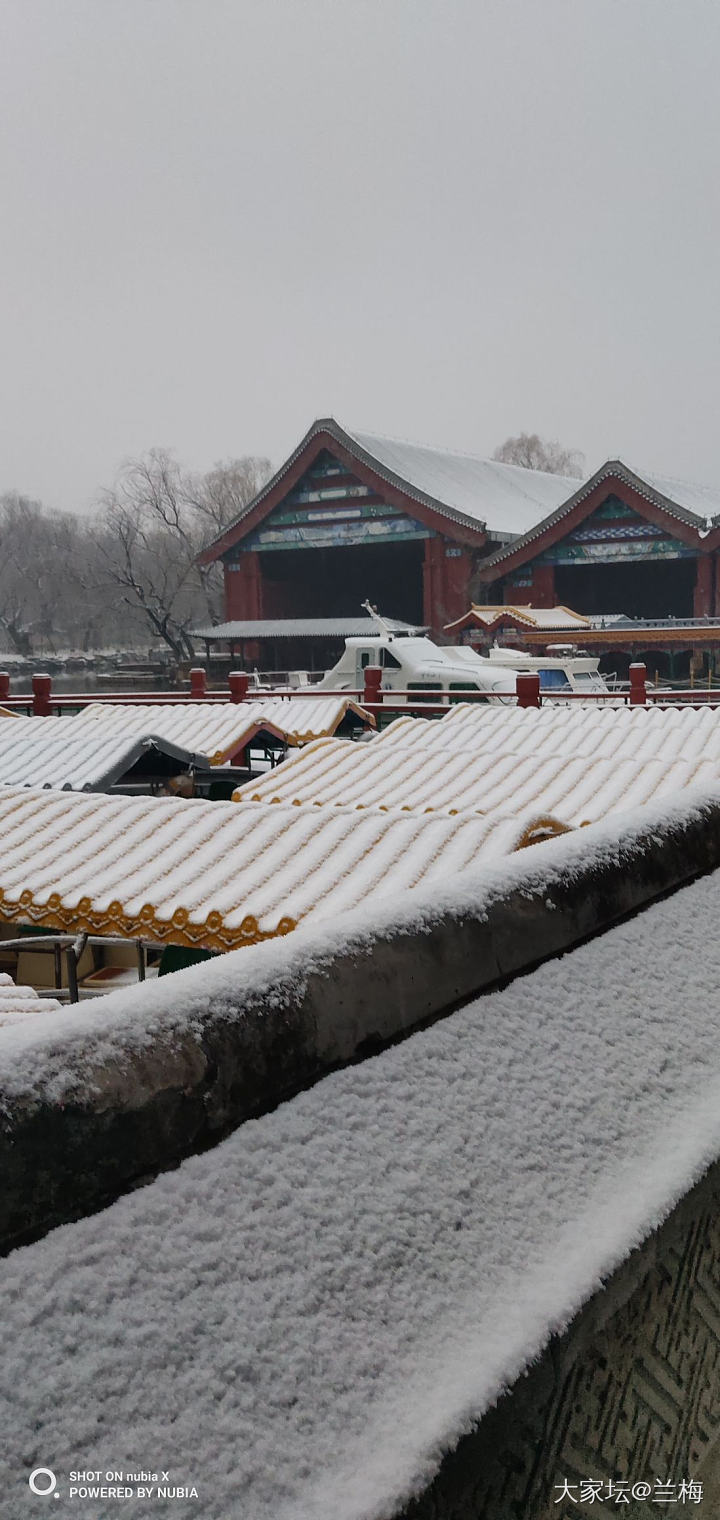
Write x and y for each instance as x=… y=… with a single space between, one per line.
x=323 y=1004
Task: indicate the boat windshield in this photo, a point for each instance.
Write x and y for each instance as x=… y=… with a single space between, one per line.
x=553 y=680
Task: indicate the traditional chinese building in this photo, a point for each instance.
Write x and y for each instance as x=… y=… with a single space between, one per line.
x=349 y=517
x=425 y=534
x=620 y=543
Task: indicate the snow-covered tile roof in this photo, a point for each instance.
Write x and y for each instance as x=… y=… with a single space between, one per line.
x=302 y=1321
x=65 y=752
x=574 y=763
x=220 y=729
x=695 y=506
x=505 y=497
x=93 y=750
x=532 y=617
x=703 y=501
x=214 y=874
x=21 y=1002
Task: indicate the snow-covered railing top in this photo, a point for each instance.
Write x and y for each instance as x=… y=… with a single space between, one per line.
x=346 y=1285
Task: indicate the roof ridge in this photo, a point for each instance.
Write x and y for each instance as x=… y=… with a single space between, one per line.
x=431 y=448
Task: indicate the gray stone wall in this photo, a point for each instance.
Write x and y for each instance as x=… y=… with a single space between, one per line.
x=238 y=1053
x=630 y=1393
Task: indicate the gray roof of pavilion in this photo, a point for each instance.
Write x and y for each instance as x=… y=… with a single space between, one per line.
x=300 y=628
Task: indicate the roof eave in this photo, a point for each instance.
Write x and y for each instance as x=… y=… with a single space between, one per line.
x=612 y=469
x=328 y=427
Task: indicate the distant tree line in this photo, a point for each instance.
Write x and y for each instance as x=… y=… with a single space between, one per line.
x=128 y=573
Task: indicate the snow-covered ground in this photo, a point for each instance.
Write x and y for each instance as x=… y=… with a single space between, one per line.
x=300 y=1322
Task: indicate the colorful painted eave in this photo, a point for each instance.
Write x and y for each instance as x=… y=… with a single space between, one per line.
x=688 y=526
x=326 y=433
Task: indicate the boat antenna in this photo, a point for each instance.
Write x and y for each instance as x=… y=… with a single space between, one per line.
x=380 y=621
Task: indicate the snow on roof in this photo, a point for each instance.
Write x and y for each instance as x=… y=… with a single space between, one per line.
x=568 y=763
x=216 y=875
x=301 y=628
x=93 y=750
x=703 y=501
x=505 y=497
x=221 y=729
x=22 y=1002
x=695 y=506
x=303 y=1320
x=66 y=753
x=476 y=492
x=532 y=617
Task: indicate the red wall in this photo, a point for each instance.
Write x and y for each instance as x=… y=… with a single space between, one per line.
x=243 y=590
x=446 y=583
x=540 y=594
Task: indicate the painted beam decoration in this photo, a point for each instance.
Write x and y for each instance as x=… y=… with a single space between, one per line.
x=329 y=508
x=615 y=533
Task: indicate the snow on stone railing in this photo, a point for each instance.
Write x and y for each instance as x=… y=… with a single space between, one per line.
x=130 y=1083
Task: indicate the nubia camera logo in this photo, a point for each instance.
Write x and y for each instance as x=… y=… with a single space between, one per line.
x=43 y=1481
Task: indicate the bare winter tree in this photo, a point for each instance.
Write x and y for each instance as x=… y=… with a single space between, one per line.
x=222 y=495
x=37 y=551
x=155 y=521
x=535 y=453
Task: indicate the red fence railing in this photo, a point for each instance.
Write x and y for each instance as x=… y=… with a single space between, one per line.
x=43 y=703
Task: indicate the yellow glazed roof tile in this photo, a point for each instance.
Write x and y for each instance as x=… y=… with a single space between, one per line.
x=577 y=763
x=215 y=875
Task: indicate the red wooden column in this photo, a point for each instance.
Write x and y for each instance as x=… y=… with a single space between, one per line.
x=457 y=574
x=543 y=586
x=703 y=593
x=432 y=586
x=42 y=689
x=716 y=582
x=638 y=691
x=238 y=682
x=528 y=689
x=372 y=685
x=243 y=589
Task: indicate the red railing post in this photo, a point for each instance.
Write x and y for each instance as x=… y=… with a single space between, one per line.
x=638 y=689
x=4 y=684
x=238 y=681
x=198 y=683
x=41 y=689
x=528 y=689
x=372 y=684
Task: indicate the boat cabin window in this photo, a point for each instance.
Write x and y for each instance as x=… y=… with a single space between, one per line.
x=429 y=686
x=382 y=657
x=589 y=678
x=553 y=680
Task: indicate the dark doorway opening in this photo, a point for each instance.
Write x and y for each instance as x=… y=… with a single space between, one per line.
x=335 y=582
x=658 y=589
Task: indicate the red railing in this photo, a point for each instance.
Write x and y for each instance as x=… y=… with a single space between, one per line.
x=42 y=703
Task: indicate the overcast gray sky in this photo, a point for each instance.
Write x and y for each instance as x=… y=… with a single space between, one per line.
x=446 y=220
